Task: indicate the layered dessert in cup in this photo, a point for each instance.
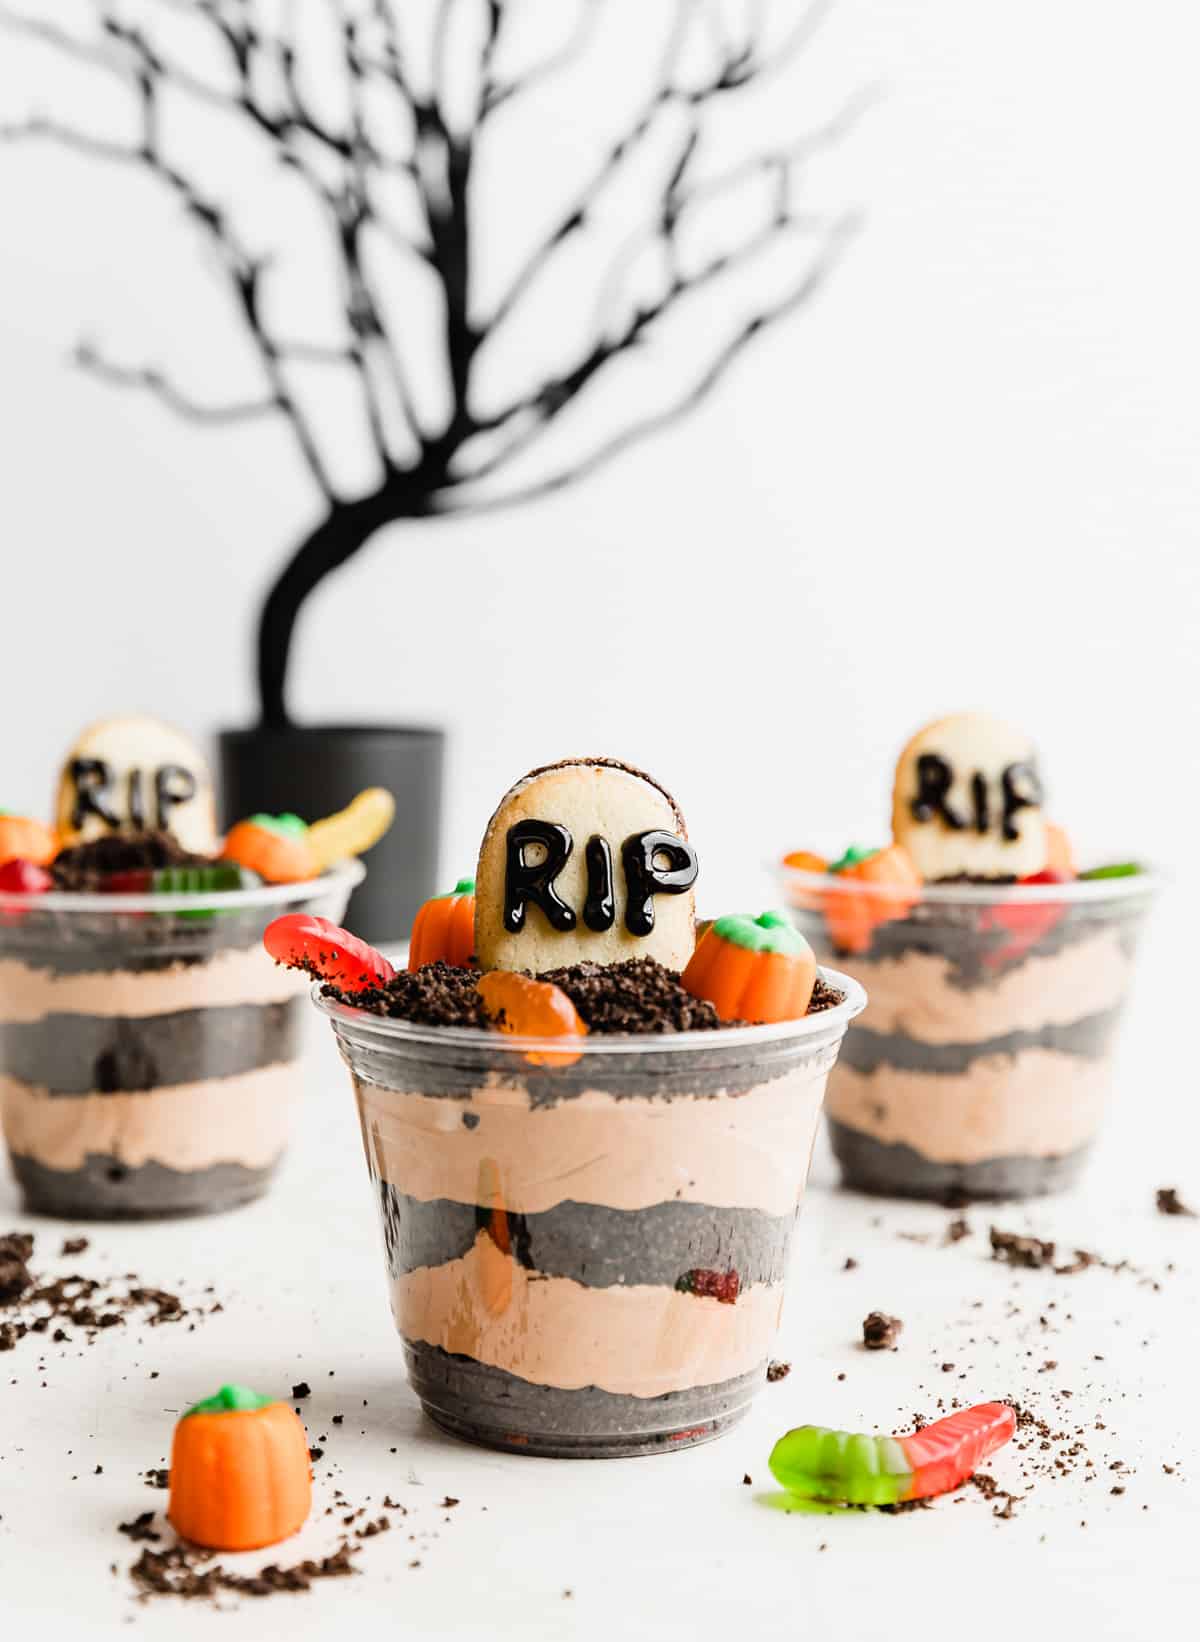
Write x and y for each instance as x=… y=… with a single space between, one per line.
x=587 y=1134
x=997 y=974
x=148 y=1047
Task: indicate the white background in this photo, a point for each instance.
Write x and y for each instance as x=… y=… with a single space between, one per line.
x=967 y=476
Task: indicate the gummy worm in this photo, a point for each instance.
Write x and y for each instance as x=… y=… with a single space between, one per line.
x=857 y=1469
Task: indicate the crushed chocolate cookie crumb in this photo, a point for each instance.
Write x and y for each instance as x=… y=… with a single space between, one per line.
x=85 y=1302
x=1015 y=1250
x=747 y=1481
x=880 y=1331
x=187 y=1571
x=957 y=1230
x=448 y=1502
x=639 y=995
x=86 y=867
x=1168 y=1201
x=849 y=1263
x=141 y=1528
x=1003 y=1501
x=157 y=1477
x=778 y=1371
x=301 y=1390
x=436 y=995
x=74 y=1245
x=15 y=1277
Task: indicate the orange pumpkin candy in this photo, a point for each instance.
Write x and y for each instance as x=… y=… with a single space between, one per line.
x=806 y=861
x=240 y=1473
x=753 y=969
x=24 y=839
x=444 y=929
x=274 y=846
x=852 y=914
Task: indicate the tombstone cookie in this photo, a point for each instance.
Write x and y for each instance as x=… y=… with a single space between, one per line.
x=136 y=774
x=585 y=861
x=967 y=800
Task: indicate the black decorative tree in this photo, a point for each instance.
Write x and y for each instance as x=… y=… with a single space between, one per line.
x=383 y=112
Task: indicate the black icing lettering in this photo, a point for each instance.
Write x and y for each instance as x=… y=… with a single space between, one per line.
x=137 y=806
x=644 y=878
x=92 y=780
x=934 y=780
x=526 y=881
x=1022 y=790
x=979 y=802
x=599 y=910
x=172 y=785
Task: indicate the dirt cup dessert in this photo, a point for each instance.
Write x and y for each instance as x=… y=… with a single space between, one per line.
x=996 y=972
x=586 y=1132
x=147 y=1046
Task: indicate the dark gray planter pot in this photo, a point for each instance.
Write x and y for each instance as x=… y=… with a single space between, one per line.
x=315 y=770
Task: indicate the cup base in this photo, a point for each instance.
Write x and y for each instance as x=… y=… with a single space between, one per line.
x=493 y=1409
x=881 y=1169
x=107 y=1189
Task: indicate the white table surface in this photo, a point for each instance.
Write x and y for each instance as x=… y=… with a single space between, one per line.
x=675 y=1546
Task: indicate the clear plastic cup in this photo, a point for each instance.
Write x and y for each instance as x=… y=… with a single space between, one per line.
x=586 y=1251
x=148 y=1046
x=983 y=1064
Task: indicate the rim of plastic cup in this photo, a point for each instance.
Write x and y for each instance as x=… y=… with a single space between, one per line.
x=343 y=874
x=1144 y=883
x=825 y=1021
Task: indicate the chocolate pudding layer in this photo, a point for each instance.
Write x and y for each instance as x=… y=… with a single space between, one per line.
x=588 y=1258
x=147 y=1057
x=982 y=1065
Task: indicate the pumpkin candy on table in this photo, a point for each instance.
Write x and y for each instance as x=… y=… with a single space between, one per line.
x=240 y=1472
x=444 y=929
x=753 y=969
x=24 y=839
x=274 y=846
x=853 y=914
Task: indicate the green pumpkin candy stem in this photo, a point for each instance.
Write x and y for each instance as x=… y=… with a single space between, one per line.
x=853 y=856
x=769 y=932
x=287 y=825
x=232 y=1399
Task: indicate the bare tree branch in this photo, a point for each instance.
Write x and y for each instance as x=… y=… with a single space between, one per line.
x=401 y=138
x=38 y=127
x=154 y=381
x=496 y=93
x=584 y=200
x=462 y=499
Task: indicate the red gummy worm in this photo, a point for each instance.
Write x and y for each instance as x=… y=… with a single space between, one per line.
x=21 y=877
x=946 y=1453
x=324 y=950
